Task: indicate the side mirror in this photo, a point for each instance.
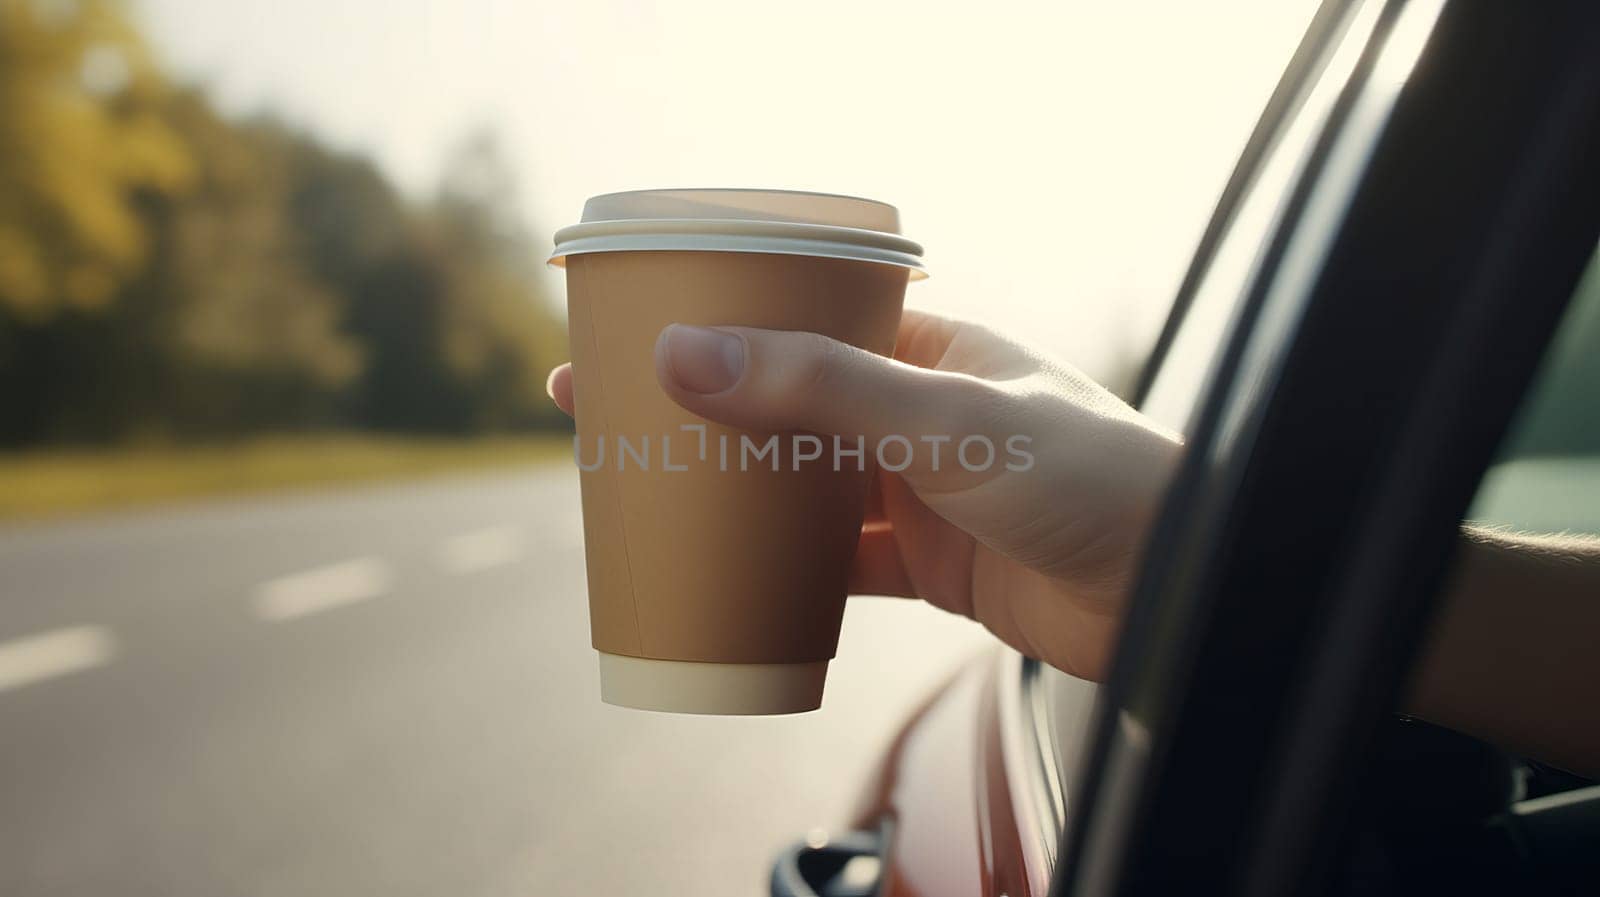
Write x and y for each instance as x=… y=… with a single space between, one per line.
x=849 y=865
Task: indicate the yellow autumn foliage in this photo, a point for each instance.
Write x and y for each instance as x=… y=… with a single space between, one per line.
x=80 y=140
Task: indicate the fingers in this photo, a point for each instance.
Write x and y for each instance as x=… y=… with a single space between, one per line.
x=559 y=387
x=923 y=341
x=924 y=338
x=878 y=568
x=874 y=513
x=776 y=380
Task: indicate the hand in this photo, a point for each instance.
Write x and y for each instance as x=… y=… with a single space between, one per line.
x=1042 y=556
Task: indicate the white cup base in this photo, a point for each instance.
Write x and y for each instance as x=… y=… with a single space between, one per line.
x=735 y=689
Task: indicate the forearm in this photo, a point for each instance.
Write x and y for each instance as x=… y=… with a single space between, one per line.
x=1514 y=657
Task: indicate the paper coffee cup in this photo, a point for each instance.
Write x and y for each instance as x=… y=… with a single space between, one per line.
x=716 y=583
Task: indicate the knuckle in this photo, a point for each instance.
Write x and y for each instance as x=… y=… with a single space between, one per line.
x=965 y=407
x=797 y=373
x=820 y=364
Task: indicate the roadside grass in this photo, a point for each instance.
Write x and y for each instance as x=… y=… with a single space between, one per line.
x=56 y=482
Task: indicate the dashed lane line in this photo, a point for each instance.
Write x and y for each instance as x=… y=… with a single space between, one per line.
x=481 y=549
x=322 y=588
x=57 y=652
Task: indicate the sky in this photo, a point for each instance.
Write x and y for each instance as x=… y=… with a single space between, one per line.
x=1057 y=160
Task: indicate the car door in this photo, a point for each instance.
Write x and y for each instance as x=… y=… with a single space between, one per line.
x=1373 y=348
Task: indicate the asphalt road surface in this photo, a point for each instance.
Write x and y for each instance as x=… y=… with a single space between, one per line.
x=390 y=691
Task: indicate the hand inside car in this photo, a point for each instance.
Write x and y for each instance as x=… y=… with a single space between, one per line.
x=1044 y=555
x=1040 y=549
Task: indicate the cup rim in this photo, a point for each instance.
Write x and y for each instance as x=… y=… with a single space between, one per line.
x=737 y=235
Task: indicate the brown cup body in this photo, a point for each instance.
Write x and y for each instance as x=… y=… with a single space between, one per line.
x=710 y=564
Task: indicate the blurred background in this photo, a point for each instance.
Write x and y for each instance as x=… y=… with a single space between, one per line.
x=291 y=580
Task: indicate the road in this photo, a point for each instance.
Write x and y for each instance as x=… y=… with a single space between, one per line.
x=389 y=690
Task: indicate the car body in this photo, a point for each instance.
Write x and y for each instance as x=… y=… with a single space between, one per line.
x=1361 y=321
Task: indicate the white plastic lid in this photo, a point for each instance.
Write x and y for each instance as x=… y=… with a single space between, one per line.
x=787 y=222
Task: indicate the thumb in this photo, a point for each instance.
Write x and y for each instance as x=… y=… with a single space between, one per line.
x=777 y=380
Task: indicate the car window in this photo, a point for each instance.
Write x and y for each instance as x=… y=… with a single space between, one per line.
x=1185 y=368
x=1547 y=478
x=1184 y=371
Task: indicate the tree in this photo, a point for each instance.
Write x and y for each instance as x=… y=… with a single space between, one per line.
x=502 y=335
x=80 y=139
x=166 y=272
x=252 y=331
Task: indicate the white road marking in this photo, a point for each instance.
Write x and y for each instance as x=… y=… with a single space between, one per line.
x=481 y=549
x=57 y=652
x=322 y=588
